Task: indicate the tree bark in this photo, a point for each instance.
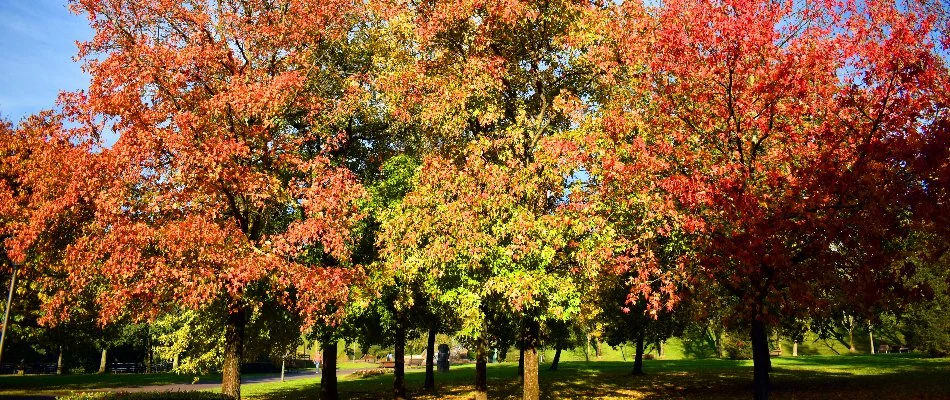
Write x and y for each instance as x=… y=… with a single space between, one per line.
x=6 y=313
x=59 y=362
x=659 y=349
x=871 y=333
x=638 y=358
x=760 y=361
x=328 y=387
x=521 y=358
x=481 y=368
x=795 y=349
x=587 y=347
x=174 y=363
x=532 y=390
x=233 y=353
x=430 y=355
x=557 y=358
x=102 y=361
x=148 y=354
x=399 y=372
x=597 y=351
x=718 y=333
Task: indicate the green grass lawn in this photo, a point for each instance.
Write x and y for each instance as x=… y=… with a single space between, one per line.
x=889 y=376
x=9 y=383
x=805 y=377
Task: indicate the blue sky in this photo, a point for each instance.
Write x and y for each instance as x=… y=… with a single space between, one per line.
x=37 y=44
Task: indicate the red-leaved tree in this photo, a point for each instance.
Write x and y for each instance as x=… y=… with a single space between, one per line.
x=778 y=130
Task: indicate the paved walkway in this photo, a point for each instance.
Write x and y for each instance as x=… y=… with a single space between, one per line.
x=214 y=384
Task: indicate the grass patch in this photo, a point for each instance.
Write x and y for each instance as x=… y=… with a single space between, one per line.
x=94 y=381
x=805 y=377
x=144 y=396
x=889 y=376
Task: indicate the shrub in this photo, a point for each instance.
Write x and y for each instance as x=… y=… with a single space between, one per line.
x=364 y=373
x=737 y=349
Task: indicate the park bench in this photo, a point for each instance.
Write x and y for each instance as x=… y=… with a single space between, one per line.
x=161 y=367
x=126 y=368
x=883 y=349
x=387 y=364
x=38 y=368
x=776 y=353
x=7 y=368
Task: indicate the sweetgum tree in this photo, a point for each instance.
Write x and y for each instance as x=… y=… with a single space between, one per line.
x=46 y=171
x=492 y=87
x=228 y=185
x=779 y=130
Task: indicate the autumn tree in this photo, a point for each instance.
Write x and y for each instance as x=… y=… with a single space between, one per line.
x=492 y=85
x=45 y=172
x=228 y=189
x=405 y=300
x=777 y=128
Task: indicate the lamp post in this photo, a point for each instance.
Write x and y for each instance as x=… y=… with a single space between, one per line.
x=6 y=313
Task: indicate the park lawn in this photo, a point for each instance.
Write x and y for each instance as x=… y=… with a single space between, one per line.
x=29 y=384
x=54 y=385
x=805 y=377
x=890 y=376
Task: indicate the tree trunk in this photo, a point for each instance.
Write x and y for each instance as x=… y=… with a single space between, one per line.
x=6 y=313
x=102 y=361
x=283 y=365
x=148 y=356
x=557 y=358
x=481 y=368
x=328 y=388
x=795 y=349
x=638 y=359
x=174 y=363
x=587 y=347
x=233 y=354
x=59 y=362
x=718 y=333
x=399 y=372
x=430 y=355
x=532 y=390
x=597 y=351
x=521 y=357
x=760 y=361
x=871 y=333
x=659 y=349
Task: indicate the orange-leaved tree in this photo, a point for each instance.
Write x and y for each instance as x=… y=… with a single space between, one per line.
x=45 y=172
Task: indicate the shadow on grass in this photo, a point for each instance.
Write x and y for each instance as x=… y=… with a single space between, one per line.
x=810 y=377
x=818 y=377
x=94 y=381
